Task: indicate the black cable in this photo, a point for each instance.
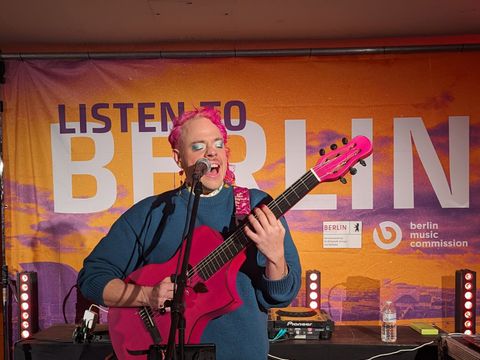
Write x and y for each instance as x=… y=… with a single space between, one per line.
x=2 y=72
x=65 y=302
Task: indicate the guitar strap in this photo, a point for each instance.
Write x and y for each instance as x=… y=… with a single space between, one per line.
x=242 y=203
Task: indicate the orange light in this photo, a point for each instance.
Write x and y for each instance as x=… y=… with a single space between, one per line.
x=465 y=301
x=313 y=305
x=27 y=304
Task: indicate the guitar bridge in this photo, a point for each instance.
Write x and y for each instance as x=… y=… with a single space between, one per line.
x=146 y=314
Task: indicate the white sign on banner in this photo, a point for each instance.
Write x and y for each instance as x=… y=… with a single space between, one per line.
x=342 y=234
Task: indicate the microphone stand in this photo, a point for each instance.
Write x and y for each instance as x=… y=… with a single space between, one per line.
x=178 y=306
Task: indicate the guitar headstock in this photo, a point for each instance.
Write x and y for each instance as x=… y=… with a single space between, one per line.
x=340 y=160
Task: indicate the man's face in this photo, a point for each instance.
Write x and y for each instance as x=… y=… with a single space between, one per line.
x=202 y=139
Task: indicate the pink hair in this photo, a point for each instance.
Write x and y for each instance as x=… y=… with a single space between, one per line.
x=203 y=112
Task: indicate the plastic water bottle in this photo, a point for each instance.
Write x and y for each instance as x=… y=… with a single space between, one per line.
x=389 y=322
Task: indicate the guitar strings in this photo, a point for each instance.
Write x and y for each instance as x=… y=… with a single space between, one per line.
x=308 y=180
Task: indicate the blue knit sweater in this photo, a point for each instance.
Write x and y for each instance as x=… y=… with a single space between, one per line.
x=151 y=232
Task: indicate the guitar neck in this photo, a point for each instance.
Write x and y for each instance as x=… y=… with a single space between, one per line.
x=330 y=167
x=293 y=194
x=238 y=241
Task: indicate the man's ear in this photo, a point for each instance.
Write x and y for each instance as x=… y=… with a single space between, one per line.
x=176 y=157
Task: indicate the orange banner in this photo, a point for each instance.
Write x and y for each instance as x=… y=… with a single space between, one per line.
x=84 y=140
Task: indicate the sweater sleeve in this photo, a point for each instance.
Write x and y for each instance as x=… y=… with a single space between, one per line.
x=278 y=293
x=106 y=263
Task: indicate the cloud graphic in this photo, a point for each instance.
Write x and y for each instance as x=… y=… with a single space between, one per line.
x=46 y=227
x=441 y=101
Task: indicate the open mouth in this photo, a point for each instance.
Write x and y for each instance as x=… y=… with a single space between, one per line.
x=214 y=170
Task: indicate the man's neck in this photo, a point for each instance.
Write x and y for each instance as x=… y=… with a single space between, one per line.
x=211 y=193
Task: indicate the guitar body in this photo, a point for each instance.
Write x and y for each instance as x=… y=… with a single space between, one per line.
x=128 y=331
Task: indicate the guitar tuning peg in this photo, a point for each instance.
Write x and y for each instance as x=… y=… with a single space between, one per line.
x=343 y=180
x=344 y=141
x=333 y=146
x=321 y=151
x=353 y=171
x=362 y=162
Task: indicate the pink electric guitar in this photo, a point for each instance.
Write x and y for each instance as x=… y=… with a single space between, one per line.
x=215 y=263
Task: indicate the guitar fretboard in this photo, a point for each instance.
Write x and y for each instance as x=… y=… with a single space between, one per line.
x=238 y=241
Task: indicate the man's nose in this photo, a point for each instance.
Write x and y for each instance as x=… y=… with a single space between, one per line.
x=210 y=151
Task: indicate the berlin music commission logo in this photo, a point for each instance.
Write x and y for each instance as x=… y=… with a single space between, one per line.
x=388 y=235
x=391 y=235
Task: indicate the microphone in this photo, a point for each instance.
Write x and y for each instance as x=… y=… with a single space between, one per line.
x=202 y=166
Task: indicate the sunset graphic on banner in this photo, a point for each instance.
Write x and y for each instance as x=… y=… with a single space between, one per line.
x=84 y=140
